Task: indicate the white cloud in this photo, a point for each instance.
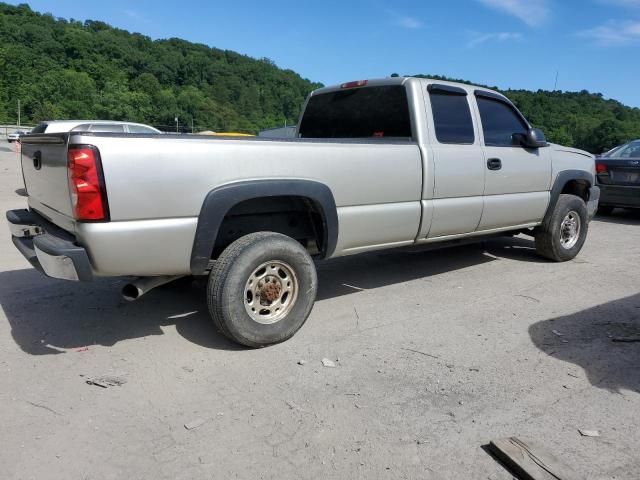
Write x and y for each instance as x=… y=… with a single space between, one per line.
x=531 y=12
x=405 y=21
x=614 y=33
x=624 y=3
x=133 y=14
x=481 y=38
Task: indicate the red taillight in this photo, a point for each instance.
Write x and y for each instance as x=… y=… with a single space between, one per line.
x=357 y=83
x=601 y=167
x=88 y=195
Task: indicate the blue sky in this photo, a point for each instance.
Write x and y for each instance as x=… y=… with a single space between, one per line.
x=592 y=44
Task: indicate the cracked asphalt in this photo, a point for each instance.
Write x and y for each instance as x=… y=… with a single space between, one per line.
x=436 y=354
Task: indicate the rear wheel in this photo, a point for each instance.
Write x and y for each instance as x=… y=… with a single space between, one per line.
x=262 y=289
x=561 y=237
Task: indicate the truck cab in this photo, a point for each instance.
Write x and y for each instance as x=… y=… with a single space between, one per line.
x=483 y=169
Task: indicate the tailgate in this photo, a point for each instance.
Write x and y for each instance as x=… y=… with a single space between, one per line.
x=44 y=168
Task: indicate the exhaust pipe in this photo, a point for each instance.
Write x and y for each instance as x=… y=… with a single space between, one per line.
x=138 y=287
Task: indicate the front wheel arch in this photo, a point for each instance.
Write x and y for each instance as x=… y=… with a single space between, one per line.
x=572 y=182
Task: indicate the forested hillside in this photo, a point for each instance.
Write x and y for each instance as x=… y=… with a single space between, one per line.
x=68 y=69
x=580 y=119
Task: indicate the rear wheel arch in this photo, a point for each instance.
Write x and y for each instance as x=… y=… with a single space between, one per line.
x=239 y=196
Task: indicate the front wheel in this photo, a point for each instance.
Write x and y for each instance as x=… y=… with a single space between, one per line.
x=262 y=289
x=561 y=237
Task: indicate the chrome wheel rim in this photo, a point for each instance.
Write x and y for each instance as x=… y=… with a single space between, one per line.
x=570 y=230
x=270 y=292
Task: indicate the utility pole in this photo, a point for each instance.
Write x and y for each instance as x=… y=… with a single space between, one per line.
x=177 y=124
x=18 y=112
x=555 y=85
x=192 y=124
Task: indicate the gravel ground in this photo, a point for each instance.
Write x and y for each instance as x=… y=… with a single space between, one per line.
x=436 y=354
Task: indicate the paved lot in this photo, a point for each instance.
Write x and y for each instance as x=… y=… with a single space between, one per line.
x=436 y=353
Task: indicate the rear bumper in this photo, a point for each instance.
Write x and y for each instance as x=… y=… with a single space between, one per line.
x=49 y=249
x=620 y=196
x=594 y=198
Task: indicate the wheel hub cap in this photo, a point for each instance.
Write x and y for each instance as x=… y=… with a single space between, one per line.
x=270 y=292
x=570 y=230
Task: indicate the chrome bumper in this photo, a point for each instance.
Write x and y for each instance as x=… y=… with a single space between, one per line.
x=592 y=204
x=49 y=249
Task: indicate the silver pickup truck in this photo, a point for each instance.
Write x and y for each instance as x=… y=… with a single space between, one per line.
x=375 y=164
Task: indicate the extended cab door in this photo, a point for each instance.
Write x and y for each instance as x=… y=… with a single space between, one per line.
x=518 y=179
x=458 y=163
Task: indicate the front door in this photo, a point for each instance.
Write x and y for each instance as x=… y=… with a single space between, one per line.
x=518 y=179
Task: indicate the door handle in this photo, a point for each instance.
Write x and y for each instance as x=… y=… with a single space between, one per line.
x=494 y=164
x=37 y=160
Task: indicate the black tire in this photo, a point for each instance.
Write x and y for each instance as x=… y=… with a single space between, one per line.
x=605 y=210
x=549 y=242
x=227 y=295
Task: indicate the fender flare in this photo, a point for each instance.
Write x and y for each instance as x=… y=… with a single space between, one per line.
x=561 y=180
x=221 y=199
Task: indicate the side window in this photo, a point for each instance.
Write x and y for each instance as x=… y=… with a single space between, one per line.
x=140 y=129
x=81 y=128
x=107 y=127
x=499 y=122
x=452 y=117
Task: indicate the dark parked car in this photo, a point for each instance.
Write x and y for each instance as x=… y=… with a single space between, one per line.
x=618 y=176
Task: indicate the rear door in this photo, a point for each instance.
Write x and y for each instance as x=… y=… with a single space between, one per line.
x=518 y=179
x=458 y=162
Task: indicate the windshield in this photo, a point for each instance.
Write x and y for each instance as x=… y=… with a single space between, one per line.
x=370 y=112
x=628 y=150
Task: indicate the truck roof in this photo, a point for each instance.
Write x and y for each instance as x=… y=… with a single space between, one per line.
x=402 y=81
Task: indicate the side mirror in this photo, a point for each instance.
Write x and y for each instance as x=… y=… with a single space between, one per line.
x=533 y=138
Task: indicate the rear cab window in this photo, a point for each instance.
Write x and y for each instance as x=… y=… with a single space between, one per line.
x=364 y=112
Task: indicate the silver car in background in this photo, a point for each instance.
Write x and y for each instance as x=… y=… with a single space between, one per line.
x=15 y=136
x=62 y=126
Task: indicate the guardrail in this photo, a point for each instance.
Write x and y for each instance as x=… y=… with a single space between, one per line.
x=7 y=129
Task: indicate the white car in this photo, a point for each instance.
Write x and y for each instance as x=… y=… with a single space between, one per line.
x=15 y=136
x=61 y=126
